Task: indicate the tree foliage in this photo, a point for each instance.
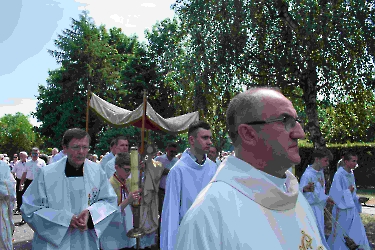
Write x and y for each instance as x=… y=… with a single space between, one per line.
x=17 y=134
x=306 y=47
x=116 y=67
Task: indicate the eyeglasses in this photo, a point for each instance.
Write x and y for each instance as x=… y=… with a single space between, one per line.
x=127 y=170
x=289 y=122
x=77 y=148
x=34 y=154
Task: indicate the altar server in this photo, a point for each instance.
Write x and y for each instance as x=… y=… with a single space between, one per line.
x=312 y=185
x=347 y=221
x=70 y=202
x=253 y=202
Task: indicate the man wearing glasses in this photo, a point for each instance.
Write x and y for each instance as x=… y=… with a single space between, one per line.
x=70 y=202
x=253 y=202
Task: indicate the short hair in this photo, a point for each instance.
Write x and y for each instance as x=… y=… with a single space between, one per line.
x=122 y=159
x=116 y=140
x=35 y=149
x=348 y=155
x=321 y=153
x=244 y=107
x=193 y=127
x=74 y=133
x=23 y=153
x=172 y=145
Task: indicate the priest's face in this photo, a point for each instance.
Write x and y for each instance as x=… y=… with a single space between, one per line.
x=277 y=141
x=77 y=150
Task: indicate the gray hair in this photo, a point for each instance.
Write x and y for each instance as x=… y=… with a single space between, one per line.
x=245 y=107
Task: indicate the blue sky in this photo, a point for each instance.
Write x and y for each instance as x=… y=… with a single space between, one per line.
x=29 y=28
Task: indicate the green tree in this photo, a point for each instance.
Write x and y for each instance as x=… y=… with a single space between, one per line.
x=308 y=47
x=17 y=134
x=114 y=65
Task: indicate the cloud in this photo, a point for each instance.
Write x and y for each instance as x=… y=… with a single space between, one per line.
x=148 y=5
x=25 y=106
x=133 y=17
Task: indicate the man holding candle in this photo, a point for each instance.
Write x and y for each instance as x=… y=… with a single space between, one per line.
x=185 y=180
x=70 y=202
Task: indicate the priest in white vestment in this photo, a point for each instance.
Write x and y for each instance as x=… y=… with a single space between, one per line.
x=312 y=185
x=347 y=221
x=185 y=180
x=253 y=202
x=70 y=202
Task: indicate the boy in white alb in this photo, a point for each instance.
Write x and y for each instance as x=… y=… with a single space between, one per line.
x=312 y=185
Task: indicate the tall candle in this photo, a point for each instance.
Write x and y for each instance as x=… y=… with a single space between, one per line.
x=134 y=162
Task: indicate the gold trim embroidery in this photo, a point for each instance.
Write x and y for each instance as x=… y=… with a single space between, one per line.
x=306 y=242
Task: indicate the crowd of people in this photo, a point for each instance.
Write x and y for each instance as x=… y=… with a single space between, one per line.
x=244 y=199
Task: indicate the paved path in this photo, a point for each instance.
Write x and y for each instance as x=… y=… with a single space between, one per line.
x=23 y=234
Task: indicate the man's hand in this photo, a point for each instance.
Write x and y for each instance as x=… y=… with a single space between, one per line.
x=20 y=188
x=351 y=188
x=330 y=201
x=74 y=221
x=309 y=187
x=82 y=220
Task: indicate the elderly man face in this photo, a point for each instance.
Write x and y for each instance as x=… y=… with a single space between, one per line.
x=77 y=150
x=272 y=137
x=280 y=141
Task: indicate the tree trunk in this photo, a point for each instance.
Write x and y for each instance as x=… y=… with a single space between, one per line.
x=309 y=85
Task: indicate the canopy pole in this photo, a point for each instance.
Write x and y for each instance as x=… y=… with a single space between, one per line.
x=143 y=122
x=88 y=107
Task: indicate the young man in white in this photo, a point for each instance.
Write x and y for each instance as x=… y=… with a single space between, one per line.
x=312 y=185
x=347 y=208
x=185 y=180
x=32 y=169
x=70 y=202
x=253 y=202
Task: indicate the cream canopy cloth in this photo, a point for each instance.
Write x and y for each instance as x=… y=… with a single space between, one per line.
x=120 y=117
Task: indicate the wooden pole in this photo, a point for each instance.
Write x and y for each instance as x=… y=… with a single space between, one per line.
x=88 y=107
x=143 y=122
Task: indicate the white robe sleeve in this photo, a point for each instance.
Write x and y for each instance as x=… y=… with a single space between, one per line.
x=340 y=194
x=316 y=197
x=170 y=219
x=51 y=224
x=104 y=210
